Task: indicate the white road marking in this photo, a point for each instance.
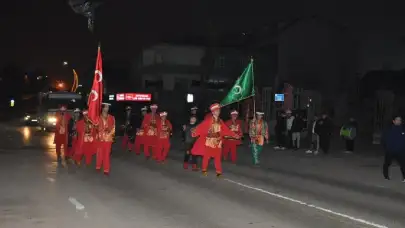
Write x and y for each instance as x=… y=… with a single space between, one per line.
x=76 y=203
x=359 y=220
x=50 y=179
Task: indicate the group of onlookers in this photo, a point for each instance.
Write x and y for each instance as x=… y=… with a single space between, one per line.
x=289 y=129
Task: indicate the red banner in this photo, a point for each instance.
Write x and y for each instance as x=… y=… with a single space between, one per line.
x=134 y=97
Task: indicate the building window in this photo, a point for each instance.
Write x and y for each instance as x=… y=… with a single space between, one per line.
x=195 y=83
x=220 y=62
x=158 y=58
x=157 y=84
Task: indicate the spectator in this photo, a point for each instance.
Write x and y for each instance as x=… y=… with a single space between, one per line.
x=393 y=141
x=349 y=132
x=323 y=129
x=289 y=123
x=280 y=129
x=296 y=129
x=314 y=139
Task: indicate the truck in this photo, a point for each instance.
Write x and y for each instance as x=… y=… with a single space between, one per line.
x=50 y=103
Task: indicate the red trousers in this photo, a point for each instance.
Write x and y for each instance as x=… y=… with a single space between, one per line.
x=139 y=140
x=103 y=156
x=59 y=149
x=212 y=153
x=86 y=149
x=230 y=146
x=150 y=143
x=163 y=148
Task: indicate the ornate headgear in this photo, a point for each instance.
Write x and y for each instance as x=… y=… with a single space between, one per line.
x=215 y=106
x=154 y=106
x=163 y=114
x=234 y=112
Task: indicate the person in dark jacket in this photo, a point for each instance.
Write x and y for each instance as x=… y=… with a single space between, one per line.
x=189 y=143
x=324 y=129
x=393 y=141
x=280 y=129
x=296 y=129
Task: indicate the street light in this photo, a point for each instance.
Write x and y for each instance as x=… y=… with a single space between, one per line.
x=65 y=63
x=61 y=85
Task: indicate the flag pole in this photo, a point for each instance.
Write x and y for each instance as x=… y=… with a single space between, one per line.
x=254 y=88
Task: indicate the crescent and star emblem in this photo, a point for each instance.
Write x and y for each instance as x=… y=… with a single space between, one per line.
x=95 y=94
x=100 y=75
x=237 y=90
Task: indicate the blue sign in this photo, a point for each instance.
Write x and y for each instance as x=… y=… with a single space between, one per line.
x=278 y=97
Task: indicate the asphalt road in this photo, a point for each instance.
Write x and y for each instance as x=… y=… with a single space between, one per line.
x=37 y=192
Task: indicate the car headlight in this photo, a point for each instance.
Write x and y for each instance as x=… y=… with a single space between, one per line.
x=51 y=120
x=27 y=117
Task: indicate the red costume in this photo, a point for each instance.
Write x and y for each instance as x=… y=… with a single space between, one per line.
x=211 y=133
x=149 y=125
x=61 y=132
x=105 y=137
x=86 y=136
x=164 y=131
x=230 y=144
x=140 y=136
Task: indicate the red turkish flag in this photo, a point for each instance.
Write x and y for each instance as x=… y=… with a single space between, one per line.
x=96 y=93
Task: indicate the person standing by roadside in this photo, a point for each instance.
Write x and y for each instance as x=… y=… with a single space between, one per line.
x=323 y=129
x=296 y=129
x=280 y=129
x=349 y=132
x=289 y=123
x=393 y=141
x=314 y=139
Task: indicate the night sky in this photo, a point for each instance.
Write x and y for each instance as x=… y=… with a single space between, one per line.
x=44 y=33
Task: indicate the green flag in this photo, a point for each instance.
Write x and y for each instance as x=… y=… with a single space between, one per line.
x=243 y=88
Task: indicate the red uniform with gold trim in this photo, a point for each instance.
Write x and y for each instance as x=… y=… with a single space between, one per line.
x=231 y=144
x=86 y=141
x=105 y=133
x=149 y=126
x=61 y=132
x=211 y=132
x=165 y=129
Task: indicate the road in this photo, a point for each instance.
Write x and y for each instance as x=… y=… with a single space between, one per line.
x=37 y=192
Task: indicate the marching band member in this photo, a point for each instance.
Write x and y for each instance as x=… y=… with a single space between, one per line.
x=230 y=144
x=164 y=130
x=61 y=132
x=258 y=132
x=86 y=140
x=211 y=133
x=140 y=133
x=127 y=129
x=72 y=139
x=105 y=137
x=149 y=125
